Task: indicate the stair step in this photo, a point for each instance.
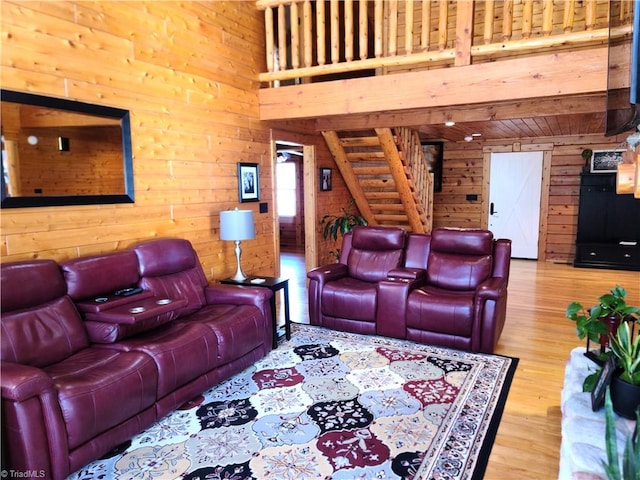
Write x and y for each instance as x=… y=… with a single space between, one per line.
x=377 y=183
x=397 y=207
x=377 y=195
x=366 y=156
x=391 y=218
x=372 y=171
x=349 y=142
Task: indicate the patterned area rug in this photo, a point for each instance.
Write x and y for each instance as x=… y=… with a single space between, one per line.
x=330 y=405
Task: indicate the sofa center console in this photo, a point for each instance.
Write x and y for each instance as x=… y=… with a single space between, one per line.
x=129 y=310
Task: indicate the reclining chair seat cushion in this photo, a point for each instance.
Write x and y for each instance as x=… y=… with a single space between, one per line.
x=443 y=311
x=100 y=388
x=177 y=350
x=350 y=298
x=238 y=329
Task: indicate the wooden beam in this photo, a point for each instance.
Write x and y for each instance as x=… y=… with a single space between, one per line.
x=521 y=78
x=464 y=33
x=520 y=109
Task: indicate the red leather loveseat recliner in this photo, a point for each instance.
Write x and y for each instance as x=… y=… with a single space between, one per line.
x=447 y=288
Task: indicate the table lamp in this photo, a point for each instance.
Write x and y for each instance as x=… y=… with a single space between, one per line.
x=237 y=225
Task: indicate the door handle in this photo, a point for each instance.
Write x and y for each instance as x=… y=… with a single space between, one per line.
x=491 y=209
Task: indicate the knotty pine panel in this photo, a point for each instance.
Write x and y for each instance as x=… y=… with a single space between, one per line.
x=188 y=75
x=463 y=161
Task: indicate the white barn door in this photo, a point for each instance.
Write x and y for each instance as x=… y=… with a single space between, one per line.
x=515 y=183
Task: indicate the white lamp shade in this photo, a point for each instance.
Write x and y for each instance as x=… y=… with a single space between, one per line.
x=237 y=225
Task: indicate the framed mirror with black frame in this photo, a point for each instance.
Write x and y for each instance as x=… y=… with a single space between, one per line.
x=59 y=152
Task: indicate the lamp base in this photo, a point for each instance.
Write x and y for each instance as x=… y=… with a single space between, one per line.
x=239 y=276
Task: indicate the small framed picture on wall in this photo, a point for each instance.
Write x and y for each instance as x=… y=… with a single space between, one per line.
x=325 y=179
x=248 y=182
x=605 y=161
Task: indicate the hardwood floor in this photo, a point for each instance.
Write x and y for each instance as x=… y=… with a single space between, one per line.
x=538 y=333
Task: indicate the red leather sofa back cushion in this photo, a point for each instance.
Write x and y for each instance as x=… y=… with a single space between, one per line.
x=459 y=259
x=170 y=268
x=40 y=324
x=101 y=274
x=375 y=251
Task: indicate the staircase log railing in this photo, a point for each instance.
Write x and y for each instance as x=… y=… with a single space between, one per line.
x=417 y=172
x=307 y=38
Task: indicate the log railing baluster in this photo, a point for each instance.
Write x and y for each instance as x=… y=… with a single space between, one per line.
x=298 y=48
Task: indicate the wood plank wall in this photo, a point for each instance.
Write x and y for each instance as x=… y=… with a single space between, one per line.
x=465 y=171
x=187 y=71
x=193 y=103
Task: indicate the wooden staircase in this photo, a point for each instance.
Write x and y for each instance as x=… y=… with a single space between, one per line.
x=387 y=175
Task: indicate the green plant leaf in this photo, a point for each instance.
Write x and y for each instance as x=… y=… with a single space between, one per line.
x=573 y=309
x=590 y=381
x=611 y=468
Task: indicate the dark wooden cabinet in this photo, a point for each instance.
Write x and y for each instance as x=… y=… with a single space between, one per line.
x=608 y=225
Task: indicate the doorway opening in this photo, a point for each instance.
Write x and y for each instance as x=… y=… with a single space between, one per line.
x=290 y=217
x=290 y=196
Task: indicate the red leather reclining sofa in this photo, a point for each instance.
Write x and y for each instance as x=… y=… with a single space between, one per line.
x=83 y=370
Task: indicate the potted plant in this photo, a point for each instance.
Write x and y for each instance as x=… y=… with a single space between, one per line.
x=625 y=383
x=602 y=320
x=586 y=156
x=340 y=224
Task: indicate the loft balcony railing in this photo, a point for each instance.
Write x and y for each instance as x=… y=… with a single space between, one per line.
x=308 y=40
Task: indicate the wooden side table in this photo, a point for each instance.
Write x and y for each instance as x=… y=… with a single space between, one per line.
x=274 y=284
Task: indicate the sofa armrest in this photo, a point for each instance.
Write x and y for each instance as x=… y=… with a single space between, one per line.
x=318 y=278
x=492 y=288
x=490 y=312
x=327 y=273
x=260 y=297
x=33 y=422
x=219 y=294
x=21 y=382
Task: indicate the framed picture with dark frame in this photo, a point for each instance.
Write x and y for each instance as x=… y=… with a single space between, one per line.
x=326 y=178
x=605 y=161
x=248 y=182
x=433 y=153
x=604 y=379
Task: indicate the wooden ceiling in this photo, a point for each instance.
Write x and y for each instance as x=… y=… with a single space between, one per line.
x=517 y=127
x=533 y=118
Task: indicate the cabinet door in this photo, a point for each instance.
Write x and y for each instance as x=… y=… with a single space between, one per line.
x=594 y=213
